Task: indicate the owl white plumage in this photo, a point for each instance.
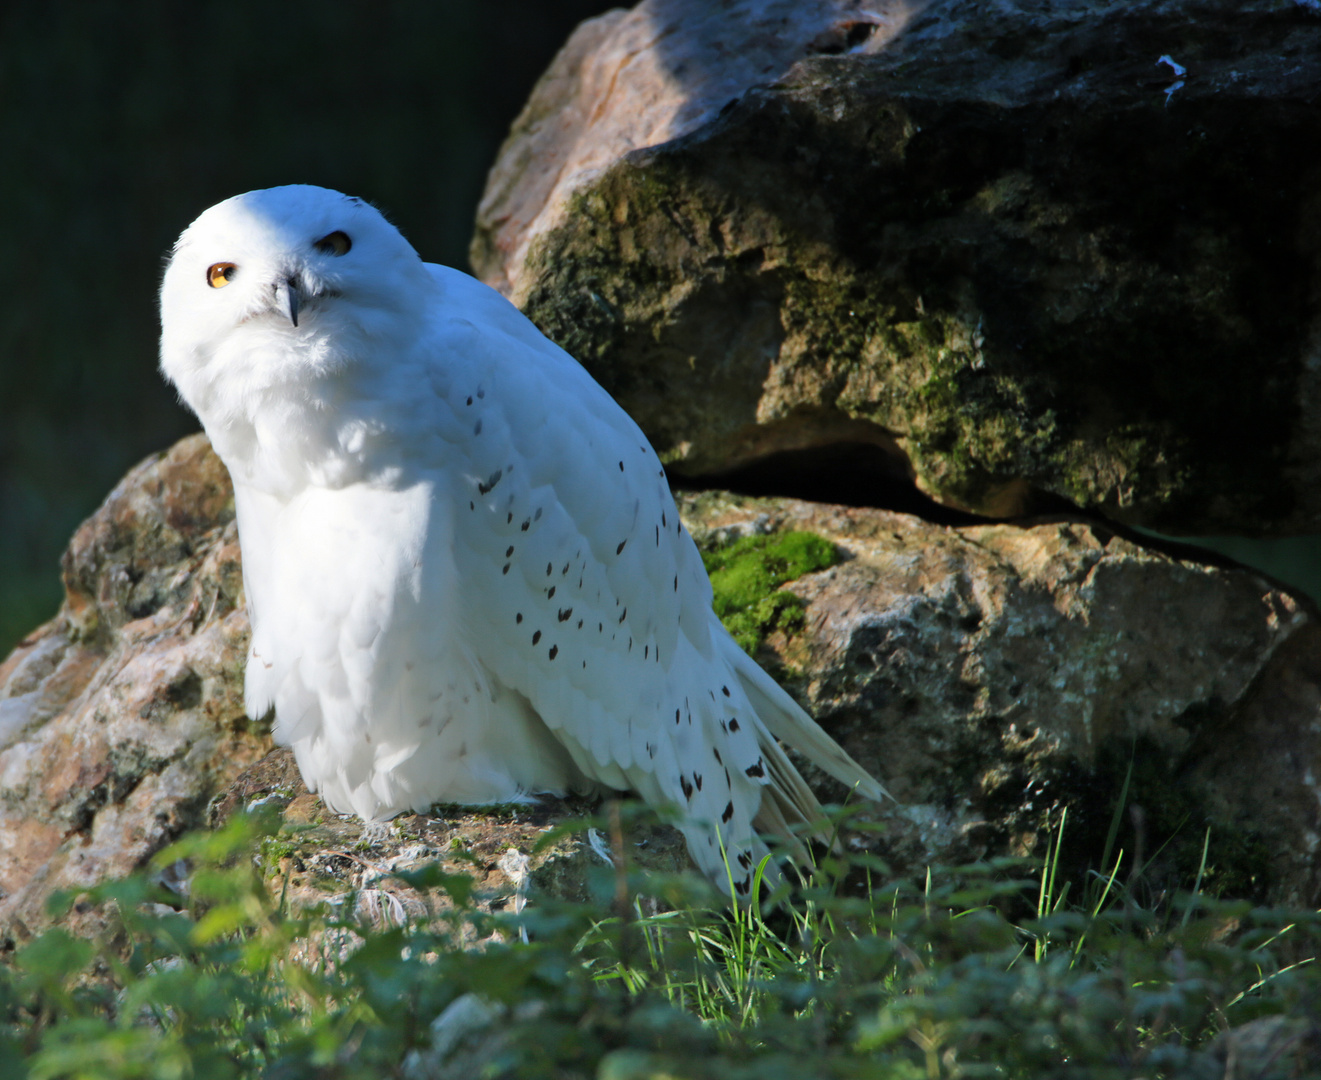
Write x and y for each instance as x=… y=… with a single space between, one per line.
x=466 y=576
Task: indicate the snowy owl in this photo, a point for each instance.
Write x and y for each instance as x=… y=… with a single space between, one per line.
x=466 y=576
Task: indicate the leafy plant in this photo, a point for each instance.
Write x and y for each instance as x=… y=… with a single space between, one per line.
x=935 y=978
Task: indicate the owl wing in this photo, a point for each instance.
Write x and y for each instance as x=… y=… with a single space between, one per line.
x=582 y=589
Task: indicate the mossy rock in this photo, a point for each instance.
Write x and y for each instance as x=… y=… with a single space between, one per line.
x=995 y=250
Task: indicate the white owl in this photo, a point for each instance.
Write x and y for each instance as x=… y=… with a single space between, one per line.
x=466 y=576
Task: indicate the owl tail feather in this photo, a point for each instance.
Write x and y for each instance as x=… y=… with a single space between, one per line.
x=785 y=719
x=789 y=811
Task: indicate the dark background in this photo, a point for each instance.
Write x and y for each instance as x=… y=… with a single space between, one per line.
x=120 y=123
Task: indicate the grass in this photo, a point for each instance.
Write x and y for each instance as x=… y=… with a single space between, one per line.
x=984 y=971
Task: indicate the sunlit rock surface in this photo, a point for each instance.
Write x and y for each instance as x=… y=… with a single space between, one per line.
x=123 y=716
x=1005 y=245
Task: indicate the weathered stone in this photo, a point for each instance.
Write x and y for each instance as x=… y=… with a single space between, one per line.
x=511 y=853
x=1000 y=244
x=996 y=676
x=121 y=718
x=1272 y=1048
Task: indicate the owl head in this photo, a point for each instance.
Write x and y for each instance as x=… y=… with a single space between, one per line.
x=272 y=288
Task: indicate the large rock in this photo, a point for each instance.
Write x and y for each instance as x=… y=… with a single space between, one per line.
x=1002 y=246
x=993 y=676
x=997 y=676
x=123 y=716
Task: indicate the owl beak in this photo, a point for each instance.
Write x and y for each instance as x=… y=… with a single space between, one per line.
x=286 y=299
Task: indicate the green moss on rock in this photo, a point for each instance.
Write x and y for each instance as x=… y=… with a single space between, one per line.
x=746 y=577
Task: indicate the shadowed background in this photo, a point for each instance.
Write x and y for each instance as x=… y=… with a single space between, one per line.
x=121 y=123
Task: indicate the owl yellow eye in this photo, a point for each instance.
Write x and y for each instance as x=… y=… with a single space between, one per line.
x=220 y=274
x=336 y=243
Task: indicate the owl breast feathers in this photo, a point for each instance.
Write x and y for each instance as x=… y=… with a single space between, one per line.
x=466 y=575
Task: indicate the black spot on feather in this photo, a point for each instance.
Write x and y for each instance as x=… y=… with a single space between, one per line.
x=755 y=770
x=492 y=480
x=729 y=812
x=687 y=787
x=536 y=637
x=564 y=614
x=619 y=550
x=733 y=724
x=554 y=651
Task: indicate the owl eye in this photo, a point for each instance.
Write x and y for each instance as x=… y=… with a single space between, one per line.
x=220 y=274
x=336 y=243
